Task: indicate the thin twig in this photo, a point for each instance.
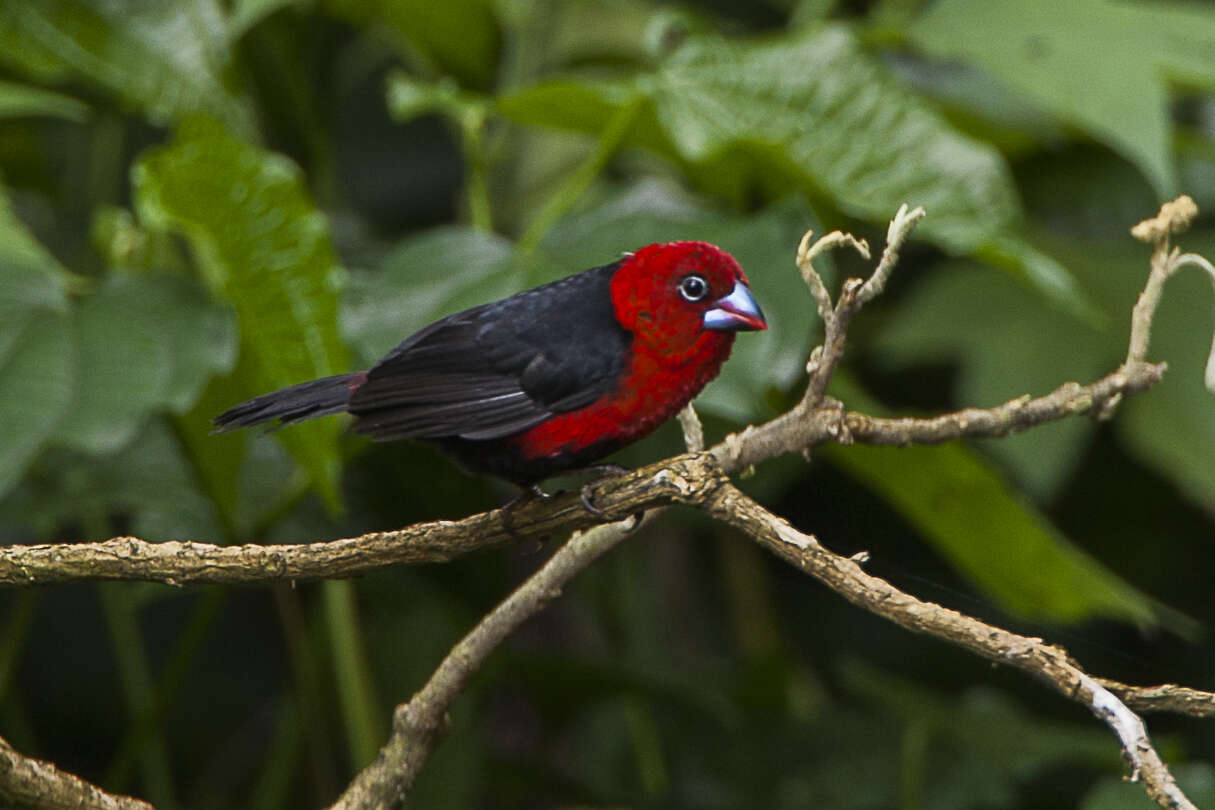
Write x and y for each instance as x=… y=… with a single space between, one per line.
x=693 y=431
x=1165 y=698
x=854 y=294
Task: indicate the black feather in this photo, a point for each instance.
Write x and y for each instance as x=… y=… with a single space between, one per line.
x=500 y=368
x=304 y=401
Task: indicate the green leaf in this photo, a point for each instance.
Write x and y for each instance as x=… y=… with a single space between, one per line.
x=22 y=100
x=835 y=118
x=31 y=279
x=248 y=13
x=992 y=537
x=459 y=37
x=1111 y=82
x=143 y=343
x=166 y=59
x=123 y=372
x=424 y=278
x=263 y=247
x=147 y=481
x=36 y=382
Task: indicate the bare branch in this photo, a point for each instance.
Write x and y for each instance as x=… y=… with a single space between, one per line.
x=1047 y=663
x=900 y=229
x=418 y=724
x=1166 y=698
x=1174 y=217
x=34 y=783
x=693 y=432
x=802 y=428
x=854 y=294
x=187 y=563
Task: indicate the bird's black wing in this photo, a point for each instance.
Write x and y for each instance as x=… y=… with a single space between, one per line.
x=500 y=368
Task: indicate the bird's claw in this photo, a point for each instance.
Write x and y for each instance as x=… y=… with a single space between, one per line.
x=530 y=492
x=584 y=497
x=604 y=471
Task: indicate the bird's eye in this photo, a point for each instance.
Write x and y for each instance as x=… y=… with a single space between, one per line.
x=693 y=288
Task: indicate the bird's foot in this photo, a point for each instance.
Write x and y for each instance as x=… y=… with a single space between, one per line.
x=531 y=492
x=603 y=472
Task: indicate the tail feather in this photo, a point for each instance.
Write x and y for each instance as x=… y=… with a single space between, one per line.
x=295 y=404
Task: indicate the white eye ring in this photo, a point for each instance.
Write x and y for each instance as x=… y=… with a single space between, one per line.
x=693 y=287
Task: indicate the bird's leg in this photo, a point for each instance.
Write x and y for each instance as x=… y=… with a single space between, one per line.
x=530 y=492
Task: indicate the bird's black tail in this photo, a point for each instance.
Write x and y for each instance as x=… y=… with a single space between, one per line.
x=295 y=404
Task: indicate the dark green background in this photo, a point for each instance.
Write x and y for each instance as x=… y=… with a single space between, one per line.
x=201 y=201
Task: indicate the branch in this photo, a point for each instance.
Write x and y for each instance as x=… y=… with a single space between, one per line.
x=696 y=479
x=1165 y=698
x=1047 y=663
x=188 y=563
x=805 y=427
x=1174 y=217
x=28 y=782
x=418 y=724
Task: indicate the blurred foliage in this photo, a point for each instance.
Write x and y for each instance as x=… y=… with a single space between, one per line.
x=204 y=200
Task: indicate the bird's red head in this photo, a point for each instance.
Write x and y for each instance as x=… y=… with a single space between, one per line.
x=681 y=298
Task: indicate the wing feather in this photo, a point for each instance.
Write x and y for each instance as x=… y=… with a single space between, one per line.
x=498 y=369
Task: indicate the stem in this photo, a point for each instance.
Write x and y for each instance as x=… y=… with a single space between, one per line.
x=560 y=203
x=356 y=689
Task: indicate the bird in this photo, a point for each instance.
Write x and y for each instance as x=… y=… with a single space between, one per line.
x=548 y=380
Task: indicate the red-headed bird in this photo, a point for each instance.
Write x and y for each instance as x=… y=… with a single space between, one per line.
x=550 y=379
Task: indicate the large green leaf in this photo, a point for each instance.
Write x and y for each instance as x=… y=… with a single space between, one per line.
x=263 y=247
x=144 y=343
x=1111 y=82
x=37 y=362
x=166 y=59
x=424 y=278
x=123 y=371
x=31 y=279
x=147 y=481
x=990 y=535
x=811 y=109
x=36 y=384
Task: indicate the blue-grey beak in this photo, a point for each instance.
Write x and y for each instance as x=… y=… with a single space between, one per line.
x=736 y=312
